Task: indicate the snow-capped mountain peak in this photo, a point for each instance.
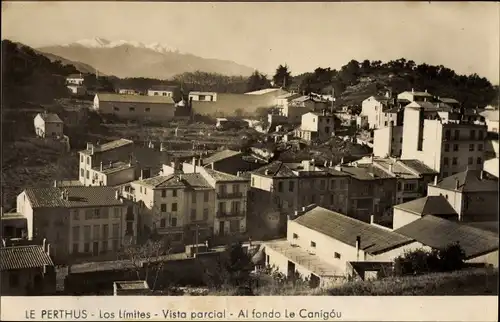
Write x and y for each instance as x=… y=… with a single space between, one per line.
x=104 y=43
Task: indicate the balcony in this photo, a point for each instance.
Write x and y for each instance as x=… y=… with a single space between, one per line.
x=230 y=214
x=229 y=195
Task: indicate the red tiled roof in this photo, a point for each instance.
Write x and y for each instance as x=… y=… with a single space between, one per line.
x=20 y=257
x=51 y=197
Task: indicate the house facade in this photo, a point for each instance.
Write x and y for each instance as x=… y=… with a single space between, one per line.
x=27 y=271
x=447 y=147
x=373 y=108
x=316 y=126
x=388 y=141
x=79 y=221
x=14 y=225
x=135 y=106
x=414 y=96
x=48 y=125
x=75 y=79
x=162 y=90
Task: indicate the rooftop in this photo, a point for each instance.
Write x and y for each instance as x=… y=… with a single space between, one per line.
x=263 y=91
x=164 y=88
x=415 y=93
x=113 y=167
x=304 y=258
x=491 y=115
x=21 y=257
x=77 y=197
x=469 y=181
x=108 y=146
x=448 y=100
x=201 y=93
x=219 y=156
x=11 y=216
x=374 y=240
x=289 y=96
x=222 y=176
x=430 y=106
x=438 y=233
x=364 y=172
x=75 y=76
x=193 y=180
x=50 y=117
x=109 y=97
x=275 y=169
x=418 y=166
x=429 y=205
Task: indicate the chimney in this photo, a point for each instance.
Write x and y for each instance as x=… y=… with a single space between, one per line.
x=457 y=184
x=117 y=195
x=325 y=164
x=101 y=166
x=194 y=164
x=342 y=160
x=238 y=173
x=481 y=175
x=55 y=183
x=331 y=163
x=358 y=246
x=391 y=168
x=266 y=172
x=92 y=150
x=48 y=249
x=436 y=180
x=44 y=244
x=412 y=90
x=161 y=147
x=426 y=91
x=372 y=219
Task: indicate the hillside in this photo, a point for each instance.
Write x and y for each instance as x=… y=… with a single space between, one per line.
x=129 y=59
x=357 y=81
x=81 y=67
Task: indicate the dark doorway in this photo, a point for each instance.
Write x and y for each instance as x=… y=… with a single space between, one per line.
x=221 y=228
x=95 y=248
x=314 y=281
x=291 y=270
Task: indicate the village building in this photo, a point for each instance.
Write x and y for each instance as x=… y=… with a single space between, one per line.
x=177 y=206
x=415 y=96
x=480 y=246
x=128 y=91
x=75 y=79
x=320 y=243
x=27 y=271
x=229 y=161
x=48 y=125
x=491 y=166
x=492 y=120
x=138 y=106
x=472 y=194
x=75 y=84
x=373 y=107
x=78 y=221
x=316 y=126
x=388 y=141
x=14 y=226
x=447 y=146
x=162 y=90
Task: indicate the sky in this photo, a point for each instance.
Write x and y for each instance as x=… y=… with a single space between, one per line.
x=464 y=36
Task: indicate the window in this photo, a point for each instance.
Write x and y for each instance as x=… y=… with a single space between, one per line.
x=336 y=255
x=322 y=184
x=131 y=109
x=332 y=199
x=147 y=109
x=472 y=134
x=280 y=186
x=480 y=135
x=253 y=182
x=446 y=147
x=205 y=214
x=96 y=232
x=236 y=188
x=173 y=222
x=479 y=160
x=87 y=174
x=97 y=213
x=295 y=236
x=447 y=134
x=455 y=147
x=13 y=279
x=222 y=189
x=164 y=94
x=104 y=246
x=201 y=97
x=86 y=233
x=480 y=147
x=205 y=196
x=117 y=213
x=399 y=183
x=76 y=216
x=82 y=173
x=76 y=233
x=163 y=193
x=454 y=161
x=457 y=134
x=470 y=160
x=193 y=198
x=445 y=161
x=163 y=222
x=313 y=244
x=235 y=207
x=193 y=214
x=75 y=248
x=86 y=247
x=174 y=193
x=291 y=186
x=88 y=160
x=163 y=207
x=105 y=231
x=116 y=231
x=471 y=147
x=81 y=158
x=115 y=245
x=155 y=93
x=385 y=123
x=116 y=109
x=174 y=206
x=222 y=207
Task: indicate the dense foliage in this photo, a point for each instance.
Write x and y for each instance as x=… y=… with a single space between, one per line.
x=399 y=75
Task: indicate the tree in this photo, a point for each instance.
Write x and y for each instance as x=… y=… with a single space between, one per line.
x=282 y=77
x=257 y=81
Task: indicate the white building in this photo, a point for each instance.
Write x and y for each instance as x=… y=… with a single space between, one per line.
x=203 y=96
x=373 y=107
x=492 y=120
x=316 y=126
x=388 y=141
x=162 y=90
x=75 y=79
x=48 y=125
x=321 y=242
x=414 y=96
x=491 y=166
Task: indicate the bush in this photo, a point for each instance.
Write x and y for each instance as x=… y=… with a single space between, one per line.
x=420 y=261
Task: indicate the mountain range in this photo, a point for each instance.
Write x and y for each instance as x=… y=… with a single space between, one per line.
x=134 y=59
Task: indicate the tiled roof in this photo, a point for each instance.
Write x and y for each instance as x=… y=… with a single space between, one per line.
x=485 y=225
x=289 y=96
x=449 y=100
x=418 y=166
x=50 y=118
x=275 y=169
x=108 y=97
x=193 y=180
x=222 y=176
x=78 y=76
x=365 y=172
x=469 y=181
x=417 y=93
x=374 y=240
x=77 y=197
x=115 y=167
x=429 y=106
x=220 y=156
x=429 y=205
x=438 y=233
x=263 y=91
x=21 y=257
x=109 y=146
